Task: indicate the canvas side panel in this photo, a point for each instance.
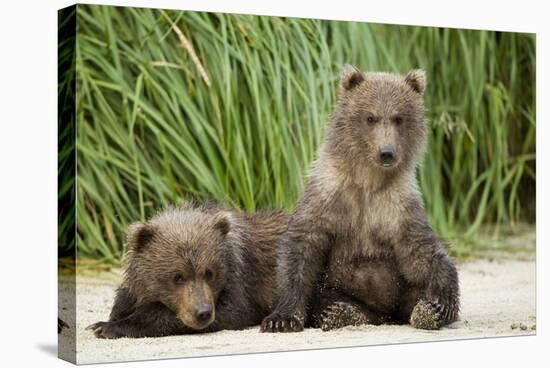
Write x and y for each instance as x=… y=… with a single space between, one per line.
x=66 y=184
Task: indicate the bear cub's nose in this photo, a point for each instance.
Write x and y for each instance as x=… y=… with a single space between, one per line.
x=387 y=155
x=204 y=313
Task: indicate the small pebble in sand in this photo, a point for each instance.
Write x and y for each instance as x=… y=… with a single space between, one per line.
x=521 y=326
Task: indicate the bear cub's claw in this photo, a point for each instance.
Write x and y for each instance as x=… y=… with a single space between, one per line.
x=449 y=311
x=278 y=323
x=105 y=330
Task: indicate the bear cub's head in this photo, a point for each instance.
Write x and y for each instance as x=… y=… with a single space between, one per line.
x=179 y=258
x=379 y=118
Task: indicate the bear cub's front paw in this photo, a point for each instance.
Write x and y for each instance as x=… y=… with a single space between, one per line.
x=427 y=316
x=105 y=330
x=277 y=322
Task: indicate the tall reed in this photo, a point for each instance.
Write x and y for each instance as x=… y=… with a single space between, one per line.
x=173 y=105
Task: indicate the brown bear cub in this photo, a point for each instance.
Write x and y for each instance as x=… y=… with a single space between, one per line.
x=359 y=248
x=195 y=269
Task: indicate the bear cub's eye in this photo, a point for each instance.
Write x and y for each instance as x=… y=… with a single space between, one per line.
x=208 y=275
x=398 y=120
x=178 y=279
x=371 y=120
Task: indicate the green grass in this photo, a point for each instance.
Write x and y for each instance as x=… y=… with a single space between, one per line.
x=175 y=105
x=66 y=142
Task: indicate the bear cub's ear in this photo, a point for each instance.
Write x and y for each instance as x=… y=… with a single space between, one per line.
x=350 y=77
x=222 y=224
x=416 y=79
x=139 y=235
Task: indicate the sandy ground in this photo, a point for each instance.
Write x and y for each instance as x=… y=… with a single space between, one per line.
x=498 y=299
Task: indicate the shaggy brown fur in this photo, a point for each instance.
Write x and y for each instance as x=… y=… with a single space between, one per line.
x=359 y=241
x=193 y=269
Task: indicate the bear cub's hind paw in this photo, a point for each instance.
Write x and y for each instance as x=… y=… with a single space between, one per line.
x=341 y=314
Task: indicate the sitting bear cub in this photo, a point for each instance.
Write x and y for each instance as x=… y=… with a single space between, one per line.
x=195 y=269
x=359 y=247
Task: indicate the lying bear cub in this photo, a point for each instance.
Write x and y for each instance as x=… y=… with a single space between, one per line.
x=195 y=269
